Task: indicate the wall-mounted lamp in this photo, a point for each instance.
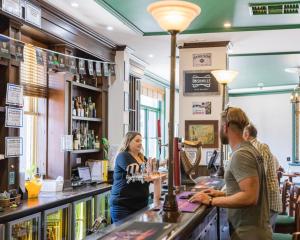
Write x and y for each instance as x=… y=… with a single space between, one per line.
x=223 y=77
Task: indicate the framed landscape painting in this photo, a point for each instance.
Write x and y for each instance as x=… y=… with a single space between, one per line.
x=204 y=130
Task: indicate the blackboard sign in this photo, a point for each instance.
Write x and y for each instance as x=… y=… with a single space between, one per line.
x=200 y=83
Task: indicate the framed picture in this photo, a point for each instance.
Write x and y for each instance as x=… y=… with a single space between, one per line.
x=13 y=146
x=204 y=130
x=13 y=117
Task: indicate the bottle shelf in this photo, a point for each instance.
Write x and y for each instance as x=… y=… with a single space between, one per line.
x=81 y=85
x=86 y=119
x=85 y=151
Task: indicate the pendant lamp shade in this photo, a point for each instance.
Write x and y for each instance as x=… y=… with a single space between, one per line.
x=224 y=76
x=174 y=15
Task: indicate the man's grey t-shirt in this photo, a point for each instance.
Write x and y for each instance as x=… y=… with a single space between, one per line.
x=246 y=162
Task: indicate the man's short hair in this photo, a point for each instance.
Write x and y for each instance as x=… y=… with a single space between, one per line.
x=251 y=130
x=235 y=118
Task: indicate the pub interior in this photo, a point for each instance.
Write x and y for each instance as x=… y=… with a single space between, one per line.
x=159 y=119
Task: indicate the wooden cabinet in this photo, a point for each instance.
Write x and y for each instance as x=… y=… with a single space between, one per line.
x=64 y=88
x=9 y=73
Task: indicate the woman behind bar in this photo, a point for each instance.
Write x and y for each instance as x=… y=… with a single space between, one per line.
x=127 y=198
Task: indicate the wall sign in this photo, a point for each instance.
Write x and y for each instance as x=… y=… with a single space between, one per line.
x=13 y=146
x=12 y=6
x=14 y=94
x=14 y=117
x=33 y=14
x=200 y=83
x=201 y=59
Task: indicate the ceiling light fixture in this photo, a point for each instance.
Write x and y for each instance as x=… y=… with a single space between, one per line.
x=74 y=4
x=151 y=56
x=109 y=28
x=227 y=25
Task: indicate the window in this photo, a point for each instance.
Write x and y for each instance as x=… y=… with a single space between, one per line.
x=34 y=81
x=34 y=134
x=150 y=113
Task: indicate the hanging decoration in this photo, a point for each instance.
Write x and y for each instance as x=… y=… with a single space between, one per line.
x=98 y=69
x=5 y=48
x=17 y=51
x=14 y=49
x=72 y=65
x=52 y=60
x=91 y=68
x=105 y=70
x=39 y=56
x=61 y=62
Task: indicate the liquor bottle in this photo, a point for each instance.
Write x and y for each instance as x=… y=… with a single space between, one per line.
x=77 y=106
x=82 y=80
x=74 y=105
x=94 y=110
x=75 y=140
x=97 y=143
x=92 y=139
x=84 y=107
x=90 y=105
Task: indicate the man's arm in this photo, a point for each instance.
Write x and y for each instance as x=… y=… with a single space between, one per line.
x=248 y=195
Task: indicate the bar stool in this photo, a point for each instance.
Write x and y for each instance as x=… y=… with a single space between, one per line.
x=287 y=223
x=296 y=234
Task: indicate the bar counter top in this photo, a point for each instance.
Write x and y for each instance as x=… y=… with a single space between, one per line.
x=47 y=200
x=188 y=225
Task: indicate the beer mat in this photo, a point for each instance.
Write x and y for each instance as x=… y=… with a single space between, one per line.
x=183 y=202
x=141 y=231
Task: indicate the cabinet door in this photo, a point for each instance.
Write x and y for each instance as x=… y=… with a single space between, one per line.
x=82 y=218
x=27 y=228
x=57 y=223
x=102 y=208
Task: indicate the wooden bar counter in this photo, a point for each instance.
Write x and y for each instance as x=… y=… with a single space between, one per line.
x=51 y=200
x=205 y=223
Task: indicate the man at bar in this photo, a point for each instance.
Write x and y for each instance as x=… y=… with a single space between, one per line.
x=246 y=190
x=250 y=134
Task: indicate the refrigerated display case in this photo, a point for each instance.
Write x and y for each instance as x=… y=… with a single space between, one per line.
x=82 y=218
x=27 y=228
x=101 y=206
x=57 y=223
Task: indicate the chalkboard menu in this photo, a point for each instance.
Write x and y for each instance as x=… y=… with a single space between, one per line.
x=200 y=83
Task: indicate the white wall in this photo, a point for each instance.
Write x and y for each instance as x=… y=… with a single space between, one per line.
x=116 y=115
x=185 y=102
x=272 y=115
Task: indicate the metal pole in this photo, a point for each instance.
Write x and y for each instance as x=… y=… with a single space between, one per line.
x=170 y=207
x=171 y=112
x=220 y=172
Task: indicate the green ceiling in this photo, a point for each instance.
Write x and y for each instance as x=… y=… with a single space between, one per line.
x=212 y=18
x=266 y=68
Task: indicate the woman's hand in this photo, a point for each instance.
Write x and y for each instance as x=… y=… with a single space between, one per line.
x=213 y=193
